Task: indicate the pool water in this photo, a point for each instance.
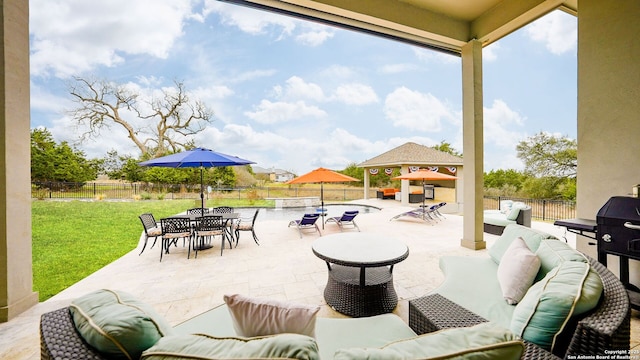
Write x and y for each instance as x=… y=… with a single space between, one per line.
x=293 y=213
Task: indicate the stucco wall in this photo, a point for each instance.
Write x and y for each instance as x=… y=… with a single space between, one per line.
x=608 y=107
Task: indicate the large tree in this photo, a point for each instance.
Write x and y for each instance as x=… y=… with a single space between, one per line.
x=59 y=162
x=163 y=123
x=547 y=155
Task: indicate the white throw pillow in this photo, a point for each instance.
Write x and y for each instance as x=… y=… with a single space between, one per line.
x=517 y=271
x=261 y=317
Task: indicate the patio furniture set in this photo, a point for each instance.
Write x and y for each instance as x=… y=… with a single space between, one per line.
x=533 y=297
x=198 y=227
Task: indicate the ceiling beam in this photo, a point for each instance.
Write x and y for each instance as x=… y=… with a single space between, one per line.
x=384 y=18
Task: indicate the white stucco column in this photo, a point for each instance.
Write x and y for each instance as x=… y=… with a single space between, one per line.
x=473 y=145
x=608 y=108
x=366 y=183
x=404 y=187
x=16 y=279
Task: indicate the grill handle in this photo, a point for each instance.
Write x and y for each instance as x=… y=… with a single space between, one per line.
x=629 y=225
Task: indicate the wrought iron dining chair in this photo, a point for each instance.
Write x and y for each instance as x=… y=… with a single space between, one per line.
x=308 y=221
x=247 y=224
x=230 y=224
x=151 y=230
x=174 y=228
x=198 y=211
x=207 y=227
x=347 y=219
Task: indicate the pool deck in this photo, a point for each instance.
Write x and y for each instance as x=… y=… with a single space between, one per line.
x=282 y=267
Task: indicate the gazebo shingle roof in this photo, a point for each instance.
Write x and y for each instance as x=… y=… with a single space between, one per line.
x=412 y=154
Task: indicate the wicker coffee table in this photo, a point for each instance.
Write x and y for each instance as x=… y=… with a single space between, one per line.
x=360 y=281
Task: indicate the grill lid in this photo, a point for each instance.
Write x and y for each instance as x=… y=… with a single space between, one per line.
x=619 y=208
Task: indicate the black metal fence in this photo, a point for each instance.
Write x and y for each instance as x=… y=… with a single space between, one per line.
x=541 y=209
x=51 y=190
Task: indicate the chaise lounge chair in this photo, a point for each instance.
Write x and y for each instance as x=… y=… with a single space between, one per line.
x=429 y=214
x=308 y=221
x=345 y=220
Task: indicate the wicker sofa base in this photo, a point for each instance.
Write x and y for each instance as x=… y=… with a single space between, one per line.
x=345 y=294
x=59 y=339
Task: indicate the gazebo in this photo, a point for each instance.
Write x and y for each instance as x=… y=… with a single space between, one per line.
x=414 y=156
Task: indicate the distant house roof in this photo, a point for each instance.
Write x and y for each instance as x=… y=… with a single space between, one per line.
x=412 y=154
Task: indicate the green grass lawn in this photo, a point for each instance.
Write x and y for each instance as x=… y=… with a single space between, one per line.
x=72 y=239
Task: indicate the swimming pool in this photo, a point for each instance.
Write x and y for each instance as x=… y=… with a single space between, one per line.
x=292 y=213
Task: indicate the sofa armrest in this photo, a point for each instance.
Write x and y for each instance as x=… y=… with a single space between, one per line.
x=524 y=217
x=60 y=340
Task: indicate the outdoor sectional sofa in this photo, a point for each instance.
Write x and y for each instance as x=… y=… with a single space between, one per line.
x=387 y=193
x=513 y=213
x=555 y=313
x=467 y=313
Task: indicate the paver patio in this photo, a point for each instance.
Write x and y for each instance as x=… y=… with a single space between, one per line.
x=282 y=267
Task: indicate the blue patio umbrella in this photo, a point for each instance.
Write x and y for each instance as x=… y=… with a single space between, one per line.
x=198 y=157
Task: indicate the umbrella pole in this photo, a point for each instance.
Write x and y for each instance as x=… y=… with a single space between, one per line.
x=423 y=209
x=201 y=191
x=322 y=204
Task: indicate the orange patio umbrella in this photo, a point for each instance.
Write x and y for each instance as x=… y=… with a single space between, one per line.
x=321 y=175
x=424 y=175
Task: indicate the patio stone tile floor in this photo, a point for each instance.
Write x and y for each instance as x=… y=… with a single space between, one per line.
x=282 y=267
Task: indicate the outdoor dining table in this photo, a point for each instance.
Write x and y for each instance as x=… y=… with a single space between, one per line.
x=360 y=281
x=225 y=216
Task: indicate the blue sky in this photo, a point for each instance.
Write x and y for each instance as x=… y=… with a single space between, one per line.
x=297 y=95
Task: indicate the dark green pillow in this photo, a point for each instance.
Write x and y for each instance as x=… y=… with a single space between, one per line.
x=117 y=324
x=485 y=341
x=204 y=347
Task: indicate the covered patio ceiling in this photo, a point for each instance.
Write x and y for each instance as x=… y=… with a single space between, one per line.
x=442 y=25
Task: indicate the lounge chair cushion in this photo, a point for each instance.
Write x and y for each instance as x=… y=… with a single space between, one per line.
x=483 y=341
x=517 y=270
x=117 y=324
x=260 y=317
x=201 y=346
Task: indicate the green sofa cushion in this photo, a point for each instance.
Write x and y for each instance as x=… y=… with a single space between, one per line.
x=552 y=252
x=485 y=341
x=487 y=300
x=117 y=324
x=497 y=219
x=531 y=237
x=204 y=347
x=366 y=332
x=550 y=302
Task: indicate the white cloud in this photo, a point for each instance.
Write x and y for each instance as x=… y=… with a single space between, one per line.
x=427 y=55
x=256 y=22
x=74 y=36
x=315 y=37
x=248 y=20
x=297 y=88
x=490 y=53
x=268 y=112
x=499 y=119
x=557 y=30
x=416 y=111
x=398 y=68
x=355 y=94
